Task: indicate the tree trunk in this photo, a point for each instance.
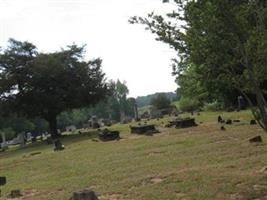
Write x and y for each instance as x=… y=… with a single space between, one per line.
x=261 y=102
x=53 y=127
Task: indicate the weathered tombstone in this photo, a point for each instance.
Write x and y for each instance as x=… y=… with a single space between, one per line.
x=107 y=135
x=3 y=145
x=84 y=195
x=185 y=123
x=2 y=182
x=71 y=128
x=21 y=139
x=93 y=122
x=144 y=129
x=219 y=119
x=253 y=122
x=256 y=139
x=228 y=121
x=241 y=103
x=15 y=194
x=58 y=146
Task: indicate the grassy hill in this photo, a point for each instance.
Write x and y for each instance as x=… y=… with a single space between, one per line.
x=202 y=163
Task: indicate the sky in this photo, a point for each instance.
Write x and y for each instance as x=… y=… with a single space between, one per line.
x=129 y=52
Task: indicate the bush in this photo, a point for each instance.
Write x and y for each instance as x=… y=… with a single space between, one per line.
x=188 y=104
x=214 y=106
x=9 y=133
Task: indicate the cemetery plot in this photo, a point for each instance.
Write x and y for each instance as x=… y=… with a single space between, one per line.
x=107 y=135
x=144 y=129
x=182 y=123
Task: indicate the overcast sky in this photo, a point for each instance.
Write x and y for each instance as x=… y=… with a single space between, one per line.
x=128 y=51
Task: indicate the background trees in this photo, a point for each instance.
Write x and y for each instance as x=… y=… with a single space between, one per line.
x=160 y=101
x=222 y=48
x=46 y=84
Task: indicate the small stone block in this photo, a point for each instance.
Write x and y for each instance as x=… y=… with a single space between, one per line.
x=84 y=195
x=2 y=180
x=256 y=139
x=15 y=194
x=253 y=122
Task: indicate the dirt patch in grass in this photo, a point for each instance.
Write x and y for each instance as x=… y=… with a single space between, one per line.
x=180 y=194
x=112 y=197
x=28 y=194
x=155 y=153
x=156 y=180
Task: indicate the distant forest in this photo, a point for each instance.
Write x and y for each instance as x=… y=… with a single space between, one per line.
x=145 y=100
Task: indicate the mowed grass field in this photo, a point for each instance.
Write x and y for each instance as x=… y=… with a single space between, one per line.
x=202 y=163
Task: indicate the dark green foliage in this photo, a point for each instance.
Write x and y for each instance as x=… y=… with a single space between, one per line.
x=108 y=108
x=46 y=84
x=145 y=100
x=9 y=134
x=222 y=45
x=188 y=104
x=160 y=101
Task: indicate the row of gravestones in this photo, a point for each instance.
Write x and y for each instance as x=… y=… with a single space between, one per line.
x=229 y=121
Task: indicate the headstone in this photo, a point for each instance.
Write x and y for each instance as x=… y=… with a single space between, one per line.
x=185 y=123
x=219 y=119
x=253 y=122
x=256 y=139
x=21 y=139
x=84 y=195
x=71 y=128
x=241 y=102
x=58 y=146
x=15 y=194
x=107 y=135
x=144 y=129
x=93 y=122
x=228 y=121
x=3 y=145
x=2 y=180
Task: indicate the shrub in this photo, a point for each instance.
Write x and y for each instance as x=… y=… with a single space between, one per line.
x=188 y=104
x=214 y=106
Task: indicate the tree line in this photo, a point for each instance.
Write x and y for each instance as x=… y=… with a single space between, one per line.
x=46 y=91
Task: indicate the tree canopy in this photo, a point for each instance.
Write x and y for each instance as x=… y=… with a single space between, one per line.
x=160 y=101
x=45 y=84
x=222 y=45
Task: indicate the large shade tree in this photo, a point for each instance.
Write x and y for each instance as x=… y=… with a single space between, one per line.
x=45 y=84
x=225 y=41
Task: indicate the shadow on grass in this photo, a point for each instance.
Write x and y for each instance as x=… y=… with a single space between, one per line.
x=42 y=145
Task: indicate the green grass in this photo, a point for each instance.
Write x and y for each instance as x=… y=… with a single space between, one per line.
x=193 y=163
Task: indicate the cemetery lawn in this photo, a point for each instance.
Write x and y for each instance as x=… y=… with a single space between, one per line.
x=200 y=163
